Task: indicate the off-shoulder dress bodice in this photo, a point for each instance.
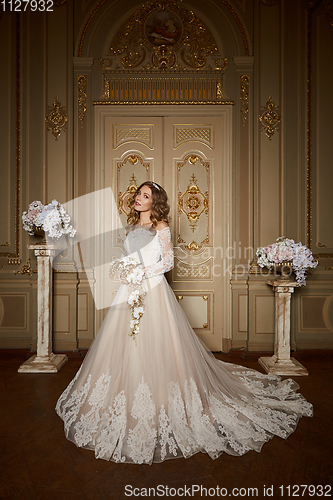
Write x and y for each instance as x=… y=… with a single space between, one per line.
x=153 y=248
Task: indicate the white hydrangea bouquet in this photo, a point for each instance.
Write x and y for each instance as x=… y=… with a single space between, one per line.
x=286 y=250
x=131 y=271
x=52 y=218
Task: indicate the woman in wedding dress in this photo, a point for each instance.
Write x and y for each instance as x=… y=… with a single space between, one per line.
x=149 y=389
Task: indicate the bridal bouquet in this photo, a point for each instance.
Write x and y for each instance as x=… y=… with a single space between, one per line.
x=129 y=267
x=286 y=250
x=52 y=218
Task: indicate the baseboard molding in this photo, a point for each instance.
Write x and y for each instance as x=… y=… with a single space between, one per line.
x=260 y=347
x=226 y=345
x=64 y=346
x=314 y=345
x=84 y=344
x=8 y=343
x=238 y=344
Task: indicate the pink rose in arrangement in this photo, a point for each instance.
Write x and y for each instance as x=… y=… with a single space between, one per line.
x=53 y=218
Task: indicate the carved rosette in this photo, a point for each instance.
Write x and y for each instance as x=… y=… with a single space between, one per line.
x=193 y=203
x=269 y=118
x=56 y=119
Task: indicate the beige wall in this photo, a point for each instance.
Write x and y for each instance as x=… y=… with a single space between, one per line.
x=280 y=186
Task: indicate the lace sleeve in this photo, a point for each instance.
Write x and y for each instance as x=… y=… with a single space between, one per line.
x=165 y=262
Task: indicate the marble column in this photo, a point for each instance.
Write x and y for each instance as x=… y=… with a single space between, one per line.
x=44 y=361
x=281 y=363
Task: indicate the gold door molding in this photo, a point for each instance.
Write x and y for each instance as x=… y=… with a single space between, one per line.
x=193 y=185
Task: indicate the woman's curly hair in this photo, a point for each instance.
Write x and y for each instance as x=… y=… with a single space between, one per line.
x=160 y=208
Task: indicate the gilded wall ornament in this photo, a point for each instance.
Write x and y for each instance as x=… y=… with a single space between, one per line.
x=244 y=96
x=163 y=54
x=124 y=199
x=56 y=119
x=82 y=97
x=193 y=202
x=269 y=118
x=26 y=269
x=168 y=30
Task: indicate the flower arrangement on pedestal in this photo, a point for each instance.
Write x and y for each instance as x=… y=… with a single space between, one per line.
x=132 y=274
x=52 y=219
x=285 y=251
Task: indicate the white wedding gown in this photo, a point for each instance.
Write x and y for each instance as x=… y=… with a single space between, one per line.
x=166 y=395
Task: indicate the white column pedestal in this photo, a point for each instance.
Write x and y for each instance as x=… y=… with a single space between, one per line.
x=281 y=363
x=44 y=361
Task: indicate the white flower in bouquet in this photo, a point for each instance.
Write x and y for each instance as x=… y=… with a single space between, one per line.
x=133 y=298
x=135 y=276
x=130 y=270
x=138 y=312
x=133 y=323
x=286 y=250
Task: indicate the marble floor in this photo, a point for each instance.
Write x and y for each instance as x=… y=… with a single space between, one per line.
x=37 y=461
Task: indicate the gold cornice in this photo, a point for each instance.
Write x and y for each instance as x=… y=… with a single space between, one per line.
x=86 y=26
x=14 y=257
x=111 y=103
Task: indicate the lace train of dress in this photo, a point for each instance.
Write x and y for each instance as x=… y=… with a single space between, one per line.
x=166 y=395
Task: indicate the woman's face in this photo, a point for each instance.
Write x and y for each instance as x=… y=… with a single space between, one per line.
x=143 y=200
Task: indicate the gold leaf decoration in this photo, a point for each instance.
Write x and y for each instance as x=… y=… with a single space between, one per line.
x=269 y=118
x=56 y=119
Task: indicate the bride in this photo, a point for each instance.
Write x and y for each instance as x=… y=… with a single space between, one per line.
x=149 y=389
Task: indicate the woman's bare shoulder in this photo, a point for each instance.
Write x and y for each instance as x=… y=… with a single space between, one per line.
x=161 y=225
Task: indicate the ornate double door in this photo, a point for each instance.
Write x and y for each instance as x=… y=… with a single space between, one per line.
x=190 y=156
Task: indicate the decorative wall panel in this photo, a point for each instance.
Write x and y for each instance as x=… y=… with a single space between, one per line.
x=188 y=133
x=61 y=322
x=198 y=307
x=315 y=315
x=198 y=272
x=13 y=312
x=264 y=311
x=194 y=218
x=122 y=134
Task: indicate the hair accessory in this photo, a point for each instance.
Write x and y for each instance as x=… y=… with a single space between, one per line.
x=156 y=185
